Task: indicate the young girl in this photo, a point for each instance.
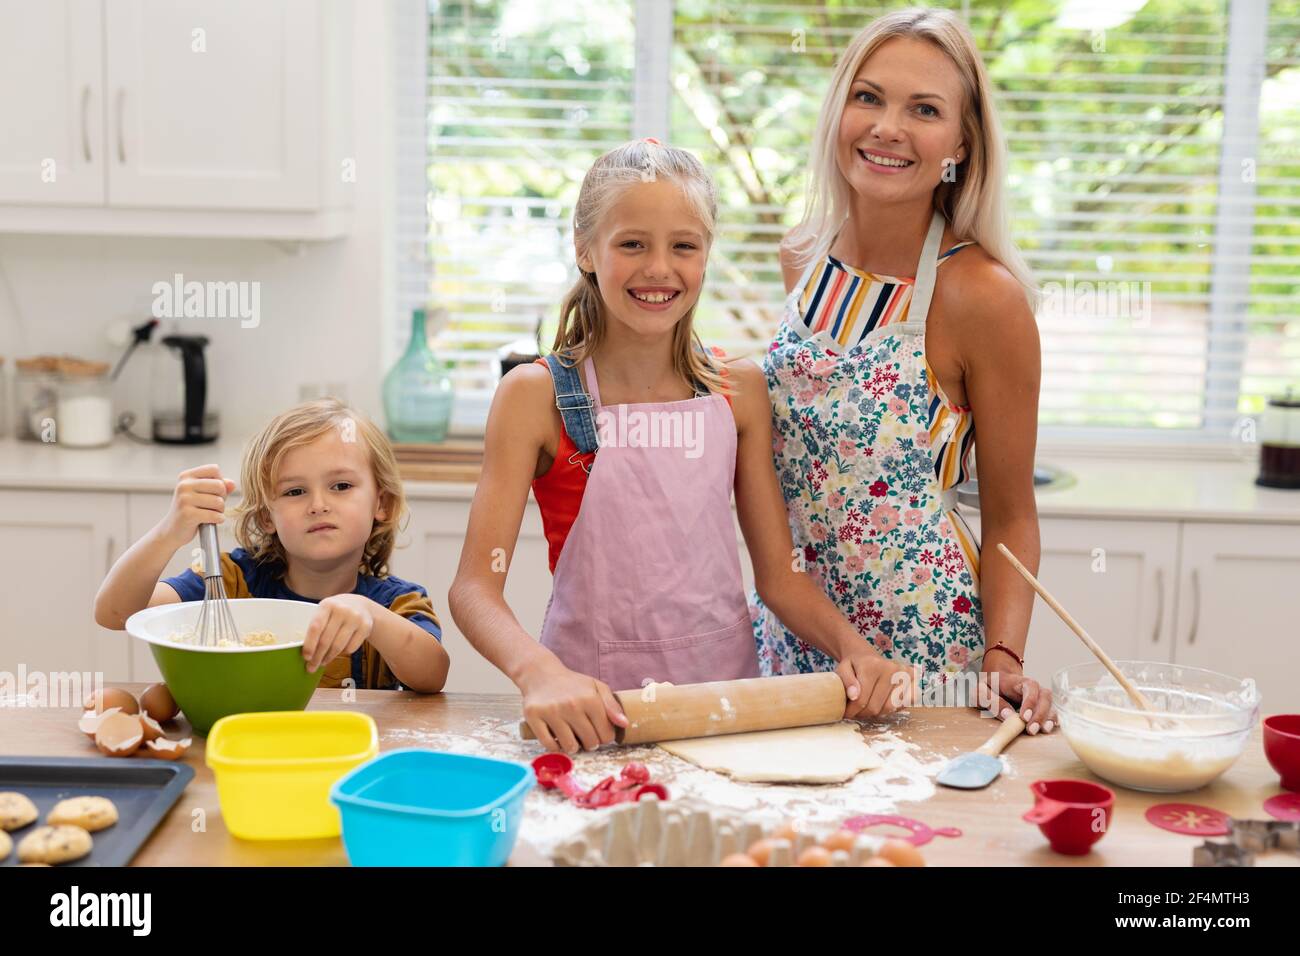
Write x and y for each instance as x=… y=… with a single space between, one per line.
x=880 y=381
x=647 y=582
x=322 y=504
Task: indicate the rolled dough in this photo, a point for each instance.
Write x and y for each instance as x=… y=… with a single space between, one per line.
x=828 y=753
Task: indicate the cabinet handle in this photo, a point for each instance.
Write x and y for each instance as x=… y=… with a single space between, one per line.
x=85 y=133
x=1196 y=606
x=1160 y=607
x=121 y=139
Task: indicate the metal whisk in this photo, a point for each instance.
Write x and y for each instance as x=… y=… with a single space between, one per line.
x=216 y=625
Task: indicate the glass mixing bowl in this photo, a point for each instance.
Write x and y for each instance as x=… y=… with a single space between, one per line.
x=1204 y=719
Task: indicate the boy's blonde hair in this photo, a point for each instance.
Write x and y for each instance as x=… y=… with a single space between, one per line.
x=302 y=425
x=974 y=202
x=582 y=314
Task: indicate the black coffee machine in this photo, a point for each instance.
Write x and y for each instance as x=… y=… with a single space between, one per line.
x=182 y=414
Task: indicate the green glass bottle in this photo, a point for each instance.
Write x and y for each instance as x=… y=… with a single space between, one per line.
x=417 y=391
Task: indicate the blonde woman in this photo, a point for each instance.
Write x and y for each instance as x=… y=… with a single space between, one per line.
x=908 y=330
x=322 y=504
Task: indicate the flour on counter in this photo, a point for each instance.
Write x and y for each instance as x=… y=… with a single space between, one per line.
x=550 y=819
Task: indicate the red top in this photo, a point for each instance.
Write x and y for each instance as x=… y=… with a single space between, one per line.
x=559 y=490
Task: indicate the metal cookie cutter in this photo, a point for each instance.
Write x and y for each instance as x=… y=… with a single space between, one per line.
x=1261 y=835
x=1221 y=854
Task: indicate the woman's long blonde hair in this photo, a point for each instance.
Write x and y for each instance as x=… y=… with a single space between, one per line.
x=302 y=425
x=582 y=314
x=974 y=202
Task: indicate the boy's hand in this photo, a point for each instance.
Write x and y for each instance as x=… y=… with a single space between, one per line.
x=342 y=623
x=882 y=686
x=566 y=710
x=199 y=498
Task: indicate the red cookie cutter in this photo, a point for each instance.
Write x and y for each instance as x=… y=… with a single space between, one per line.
x=1284 y=806
x=555 y=772
x=921 y=833
x=1189 y=818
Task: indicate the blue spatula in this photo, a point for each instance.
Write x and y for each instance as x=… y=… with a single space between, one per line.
x=981 y=767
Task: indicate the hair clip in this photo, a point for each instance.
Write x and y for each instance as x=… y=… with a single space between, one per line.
x=651 y=139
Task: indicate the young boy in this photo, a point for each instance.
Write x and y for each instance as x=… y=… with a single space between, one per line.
x=322 y=504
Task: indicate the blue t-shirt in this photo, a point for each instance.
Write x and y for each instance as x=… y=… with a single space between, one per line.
x=244 y=577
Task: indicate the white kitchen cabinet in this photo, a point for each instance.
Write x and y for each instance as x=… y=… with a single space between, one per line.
x=55 y=548
x=436 y=533
x=214 y=104
x=52 y=101
x=177 y=117
x=1117 y=578
x=1237 y=613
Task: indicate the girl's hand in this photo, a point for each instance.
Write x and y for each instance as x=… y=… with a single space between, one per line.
x=341 y=625
x=1017 y=693
x=566 y=710
x=874 y=686
x=199 y=498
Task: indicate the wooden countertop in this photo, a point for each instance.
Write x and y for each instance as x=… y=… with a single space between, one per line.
x=993 y=833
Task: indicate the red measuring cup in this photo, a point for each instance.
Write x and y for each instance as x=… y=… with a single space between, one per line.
x=1072 y=814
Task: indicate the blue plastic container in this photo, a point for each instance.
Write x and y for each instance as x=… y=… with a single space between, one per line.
x=416 y=807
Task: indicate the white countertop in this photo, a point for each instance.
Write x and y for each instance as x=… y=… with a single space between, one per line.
x=1123 y=488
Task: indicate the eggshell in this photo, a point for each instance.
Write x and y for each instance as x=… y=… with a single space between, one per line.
x=119 y=735
x=166 y=749
x=152 y=730
x=111 y=697
x=875 y=861
x=901 y=853
x=89 y=721
x=788 y=830
x=158 y=703
x=737 y=859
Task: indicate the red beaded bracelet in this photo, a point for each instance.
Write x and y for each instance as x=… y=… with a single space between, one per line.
x=999 y=646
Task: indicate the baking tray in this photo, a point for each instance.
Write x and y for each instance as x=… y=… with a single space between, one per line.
x=142 y=790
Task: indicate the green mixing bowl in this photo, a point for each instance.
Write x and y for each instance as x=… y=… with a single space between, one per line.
x=209 y=683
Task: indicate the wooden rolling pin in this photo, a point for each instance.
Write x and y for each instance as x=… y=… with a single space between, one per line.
x=667 y=712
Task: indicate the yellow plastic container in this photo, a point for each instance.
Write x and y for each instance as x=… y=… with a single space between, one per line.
x=274 y=771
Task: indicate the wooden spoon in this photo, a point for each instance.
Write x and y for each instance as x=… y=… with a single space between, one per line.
x=1137 y=696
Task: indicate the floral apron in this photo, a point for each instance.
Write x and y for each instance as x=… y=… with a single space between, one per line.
x=870 y=521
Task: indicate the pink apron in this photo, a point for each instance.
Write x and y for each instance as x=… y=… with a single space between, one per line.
x=648 y=585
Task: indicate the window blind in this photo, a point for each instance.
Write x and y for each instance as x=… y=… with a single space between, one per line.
x=1154 y=168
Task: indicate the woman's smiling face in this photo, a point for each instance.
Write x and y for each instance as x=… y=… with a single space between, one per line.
x=901 y=125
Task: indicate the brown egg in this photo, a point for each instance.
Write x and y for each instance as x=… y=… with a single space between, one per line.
x=815 y=856
x=158 y=703
x=89 y=721
x=737 y=859
x=119 y=735
x=875 y=861
x=111 y=697
x=788 y=830
x=901 y=853
x=166 y=749
x=840 y=840
x=761 y=851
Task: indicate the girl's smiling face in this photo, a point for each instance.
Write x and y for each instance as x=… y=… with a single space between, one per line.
x=649 y=255
x=325 y=501
x=902 y=121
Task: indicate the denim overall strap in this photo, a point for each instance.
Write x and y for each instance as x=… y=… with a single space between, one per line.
x=574 y=404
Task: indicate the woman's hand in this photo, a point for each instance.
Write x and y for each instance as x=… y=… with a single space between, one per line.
x=1007 y=688
x=874 y=686
x=341 y=625
x=567 y=710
